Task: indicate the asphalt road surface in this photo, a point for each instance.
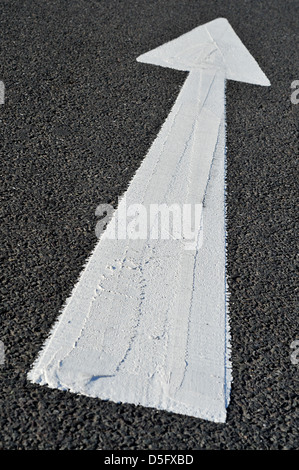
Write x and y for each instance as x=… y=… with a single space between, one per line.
x=79 y=116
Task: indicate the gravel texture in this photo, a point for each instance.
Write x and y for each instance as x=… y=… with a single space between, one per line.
x=79 y=116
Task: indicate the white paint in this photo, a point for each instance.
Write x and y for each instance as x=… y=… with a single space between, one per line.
x=2 y=353
x=147 y=322
x=295 y=94
x=2 y=92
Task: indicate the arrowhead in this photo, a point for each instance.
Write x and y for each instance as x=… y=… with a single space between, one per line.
x=214 y=44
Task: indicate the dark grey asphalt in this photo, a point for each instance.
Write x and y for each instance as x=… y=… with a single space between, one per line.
x=79 y=115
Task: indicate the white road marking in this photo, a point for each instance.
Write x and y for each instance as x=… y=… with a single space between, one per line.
x=147 y=322
x=2 y=92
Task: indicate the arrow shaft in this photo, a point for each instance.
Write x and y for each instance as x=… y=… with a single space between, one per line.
x=176 y=168
x=138 y=324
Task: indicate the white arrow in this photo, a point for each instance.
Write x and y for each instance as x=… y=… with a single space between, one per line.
x=147 y=322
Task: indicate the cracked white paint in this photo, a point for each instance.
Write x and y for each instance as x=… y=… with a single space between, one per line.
x=147 y=322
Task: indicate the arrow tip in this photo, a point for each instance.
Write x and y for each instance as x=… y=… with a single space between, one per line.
x=214 y=44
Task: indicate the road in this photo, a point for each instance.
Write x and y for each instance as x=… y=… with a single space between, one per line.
x=78 y=117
